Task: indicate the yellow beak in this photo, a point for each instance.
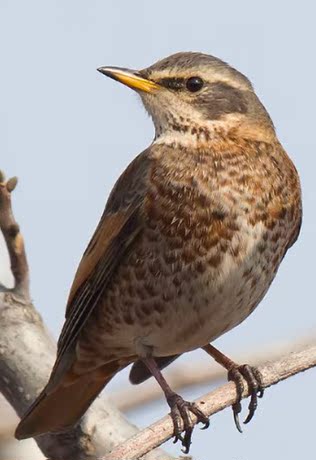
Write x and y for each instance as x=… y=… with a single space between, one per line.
x=130 y=78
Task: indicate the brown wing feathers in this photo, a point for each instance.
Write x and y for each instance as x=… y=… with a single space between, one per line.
x=63 y=401
x=96 y=269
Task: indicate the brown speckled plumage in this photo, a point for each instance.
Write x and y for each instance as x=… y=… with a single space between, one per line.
x=216 y=225
x=191 y=237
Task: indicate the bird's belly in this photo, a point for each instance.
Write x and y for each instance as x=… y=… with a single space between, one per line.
x=164 y=306
x=212 y=294
x=208 y=309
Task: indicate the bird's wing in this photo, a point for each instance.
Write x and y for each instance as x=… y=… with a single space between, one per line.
x=120 y=225
x=113 y=237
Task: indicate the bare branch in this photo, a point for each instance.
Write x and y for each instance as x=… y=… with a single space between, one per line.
x=13 y=238
x=213 y=402
x=27 y=353
x=178 y=378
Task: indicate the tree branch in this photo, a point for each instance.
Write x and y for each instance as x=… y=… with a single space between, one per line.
x=213 y=402
x=27 y=353
x=178 y=379
x=13 y=238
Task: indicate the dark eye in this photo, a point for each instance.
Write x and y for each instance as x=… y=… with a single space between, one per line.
x=194 y=84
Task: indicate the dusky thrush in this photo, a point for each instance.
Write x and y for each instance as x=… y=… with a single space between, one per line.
x=191 y=238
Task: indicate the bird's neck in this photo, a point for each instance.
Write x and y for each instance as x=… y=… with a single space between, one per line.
x=202 y=134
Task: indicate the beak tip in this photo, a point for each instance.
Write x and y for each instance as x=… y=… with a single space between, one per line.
x=129 y=78
x=100 y=69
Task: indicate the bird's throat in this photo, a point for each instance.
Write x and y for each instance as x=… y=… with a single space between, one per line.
x=201 y=135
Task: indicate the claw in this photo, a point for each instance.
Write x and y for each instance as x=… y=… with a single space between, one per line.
x=180 y=410
x=235 y=376
x=236 y=420
x=186 y=441
x=254 y=381
x=206 y=425
x=201 y=417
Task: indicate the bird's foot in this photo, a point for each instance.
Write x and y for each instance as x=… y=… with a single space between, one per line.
x=254 y=380
x=180 y=414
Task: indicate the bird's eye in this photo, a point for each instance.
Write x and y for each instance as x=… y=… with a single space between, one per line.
x=194 y=84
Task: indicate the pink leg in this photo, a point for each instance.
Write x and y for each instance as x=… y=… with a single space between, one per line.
x=180 y=409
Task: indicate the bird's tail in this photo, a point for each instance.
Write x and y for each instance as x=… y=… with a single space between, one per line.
x=139 y=372
x=62 y=407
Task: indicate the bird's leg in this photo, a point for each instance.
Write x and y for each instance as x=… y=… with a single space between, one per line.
x=236 y=373
x=180 y=409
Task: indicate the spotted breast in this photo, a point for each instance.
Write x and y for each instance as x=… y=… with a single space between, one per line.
x=217 y=223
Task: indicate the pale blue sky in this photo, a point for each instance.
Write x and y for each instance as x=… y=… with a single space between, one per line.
x=68 y=132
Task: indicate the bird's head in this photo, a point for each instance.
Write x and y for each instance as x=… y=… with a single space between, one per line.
x=193 y=93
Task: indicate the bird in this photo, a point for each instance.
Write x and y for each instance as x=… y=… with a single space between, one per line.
x=190 y=240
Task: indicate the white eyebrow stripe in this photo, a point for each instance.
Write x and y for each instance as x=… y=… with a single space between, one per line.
x=208 y=76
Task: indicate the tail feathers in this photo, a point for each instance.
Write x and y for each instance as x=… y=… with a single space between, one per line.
x=63 y=407
x=139 y=372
